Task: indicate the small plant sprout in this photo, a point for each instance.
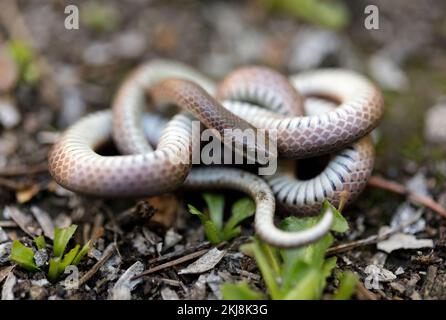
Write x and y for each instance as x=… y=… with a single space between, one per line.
x=214 y=227
x=25 y=257
x=296 y=274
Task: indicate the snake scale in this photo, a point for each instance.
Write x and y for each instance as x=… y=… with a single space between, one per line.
x=313 y=113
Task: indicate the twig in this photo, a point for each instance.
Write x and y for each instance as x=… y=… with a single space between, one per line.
x=172 y=263
x=364 y=292
x=372 y=239
x=379 y=182
x=19 y=170
x=179 y=253
x=14 y=185
x=171 y=282
x=181 y=260
x=107 y=255
x=8 y=224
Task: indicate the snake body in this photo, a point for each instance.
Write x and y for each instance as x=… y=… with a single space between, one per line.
x=252 y=97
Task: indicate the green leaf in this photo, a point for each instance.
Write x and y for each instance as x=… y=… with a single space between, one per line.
x=23 y=256
x=40 y=242
x=329 y=14
x=53 y=271
x=211 y=232
x=247 y=248
x=61 y=239
x=240 y=291
x=294 y=224
x=242 y=209
x=215 y=203
x=293 y=274
x=100 y=17
x=81 y=253
x=268 y=274
x=24 y=58
x=198 y=213
x=68 y=258
x=327 y=269
x=339 y=223
x=306 y=288
x=347 y=286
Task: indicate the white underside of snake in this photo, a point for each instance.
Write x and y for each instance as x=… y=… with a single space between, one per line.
x=341 y=109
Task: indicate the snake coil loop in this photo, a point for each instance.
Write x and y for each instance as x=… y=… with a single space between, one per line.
x=314 y=113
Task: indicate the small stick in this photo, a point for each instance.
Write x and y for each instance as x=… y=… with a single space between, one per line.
x=171 y=282
x=107 y=255
x=8 y=224
x=19 y=170
x=179 y=253
x=14 y=185
x=180 y=260
x=172 y=263
x=364 y=292
x=379 y=182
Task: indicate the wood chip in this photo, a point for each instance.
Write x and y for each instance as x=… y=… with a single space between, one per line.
x=5 y=272
x=45 y=221
x=205 y=263
x=404 y=241
x=166 y=210
x=3 y=235
x=169 y=294
x=125 y=284
x=27 y=194
x=8 y=286
x=23 y=220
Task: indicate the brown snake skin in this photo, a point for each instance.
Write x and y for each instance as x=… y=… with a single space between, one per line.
x=142 y=171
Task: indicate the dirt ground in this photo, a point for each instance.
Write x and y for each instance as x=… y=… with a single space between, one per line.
x=80 y=70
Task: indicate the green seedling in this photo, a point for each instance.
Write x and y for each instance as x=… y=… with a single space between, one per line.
x=24 y=256
x=295 y=274
x=25 y=60
x=329 y=14
x=214 y=227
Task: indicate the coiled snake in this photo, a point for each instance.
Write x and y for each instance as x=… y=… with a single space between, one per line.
x=250 y=97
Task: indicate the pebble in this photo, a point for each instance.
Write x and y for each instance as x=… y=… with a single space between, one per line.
x=41 y=257
x=98 y=54
x=310 y=47
x=5 y=251
x=388 y=73
x=129 y=45
x=435 y=124
x=9 y=115
x=123 y=287
x=3 y=236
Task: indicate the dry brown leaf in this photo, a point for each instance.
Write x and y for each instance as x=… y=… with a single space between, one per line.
x=27 y=194
x=166 y=207
x=4 y=272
